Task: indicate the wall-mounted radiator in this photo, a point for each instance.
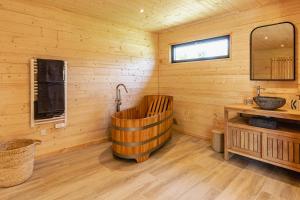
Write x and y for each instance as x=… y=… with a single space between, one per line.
x=48 y=92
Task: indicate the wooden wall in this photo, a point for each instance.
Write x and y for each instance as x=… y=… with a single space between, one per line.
x=201 y=89
x=100 y=55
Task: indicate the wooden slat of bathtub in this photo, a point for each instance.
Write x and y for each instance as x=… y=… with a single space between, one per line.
x=168 y=125
x=163 y=128
x=165 y=106
x=136 y=135
x=118 y=135
x=149 y=132
x=123 y=149
x=155 y=133
x=143 y=136
x=157 y=111
x=128 y=137
x=167 y=103
x=159 y=118
x=122 y=138
x=158 y=128
x=162 y=105
x=158 y=105
x=152 y=111
x=149 y=112
x=123 y=134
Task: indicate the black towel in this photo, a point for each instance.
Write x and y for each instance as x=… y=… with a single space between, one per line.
x=51 y=90
x=50 y=71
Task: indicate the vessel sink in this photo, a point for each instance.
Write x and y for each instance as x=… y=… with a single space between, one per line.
x=269 y=103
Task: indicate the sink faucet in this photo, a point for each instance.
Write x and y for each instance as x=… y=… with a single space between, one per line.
x=118 y=95
x=258 y=90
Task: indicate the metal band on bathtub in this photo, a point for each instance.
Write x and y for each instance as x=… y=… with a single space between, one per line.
x=141 y=128
x=134 y=156
x=134 y=144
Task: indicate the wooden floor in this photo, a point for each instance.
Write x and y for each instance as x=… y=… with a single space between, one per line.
x=186 y=168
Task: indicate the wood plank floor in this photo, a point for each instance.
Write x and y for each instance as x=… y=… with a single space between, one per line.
x=186 y=168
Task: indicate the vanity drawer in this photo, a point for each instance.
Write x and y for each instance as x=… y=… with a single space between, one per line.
x=244 y=141
x=281 y=149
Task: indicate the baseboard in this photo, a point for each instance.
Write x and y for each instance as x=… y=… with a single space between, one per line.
x=73 y=148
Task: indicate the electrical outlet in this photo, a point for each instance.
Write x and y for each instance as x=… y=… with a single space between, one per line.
x=43 y=132
x=60 y=125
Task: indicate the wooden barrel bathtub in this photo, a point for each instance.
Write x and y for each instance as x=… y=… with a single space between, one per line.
x=138 y=131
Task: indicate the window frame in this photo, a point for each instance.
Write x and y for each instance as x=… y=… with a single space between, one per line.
x=199 y=41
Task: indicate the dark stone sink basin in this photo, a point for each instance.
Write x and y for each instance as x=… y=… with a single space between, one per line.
x=269 y=103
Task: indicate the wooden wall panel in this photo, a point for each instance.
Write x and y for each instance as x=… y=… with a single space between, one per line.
x=100 y=55
x=201 y=89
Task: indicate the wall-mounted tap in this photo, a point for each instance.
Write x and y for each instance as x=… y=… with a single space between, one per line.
x=258 y=90
x=118 y=96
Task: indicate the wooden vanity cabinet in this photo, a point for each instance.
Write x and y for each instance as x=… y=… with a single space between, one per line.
x=245 y=141
x=280 y=147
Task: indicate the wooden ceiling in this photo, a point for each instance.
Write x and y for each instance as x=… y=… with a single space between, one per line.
x=158 y=14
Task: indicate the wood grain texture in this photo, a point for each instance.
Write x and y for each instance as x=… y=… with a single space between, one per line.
x=100 y=55
x=274 y=150
x=201 y=89
x=279 y=147
x=255 y=110
x=139 y=131
x=157 y=15
x=244 y=140
x=186 y=168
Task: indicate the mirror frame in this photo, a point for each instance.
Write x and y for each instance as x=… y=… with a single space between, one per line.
x=294 y=47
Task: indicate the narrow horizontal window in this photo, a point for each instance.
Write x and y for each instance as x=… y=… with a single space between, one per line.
x=207 y=49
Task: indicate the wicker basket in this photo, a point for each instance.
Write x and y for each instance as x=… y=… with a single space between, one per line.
x=16 y=161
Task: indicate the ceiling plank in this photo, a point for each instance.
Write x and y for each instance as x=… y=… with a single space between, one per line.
x=157 y=15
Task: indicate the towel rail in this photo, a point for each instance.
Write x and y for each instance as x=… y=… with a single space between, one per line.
x=34 y=96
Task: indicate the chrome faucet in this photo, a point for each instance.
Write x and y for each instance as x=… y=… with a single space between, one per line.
x=259 y=89
x=118 y=96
